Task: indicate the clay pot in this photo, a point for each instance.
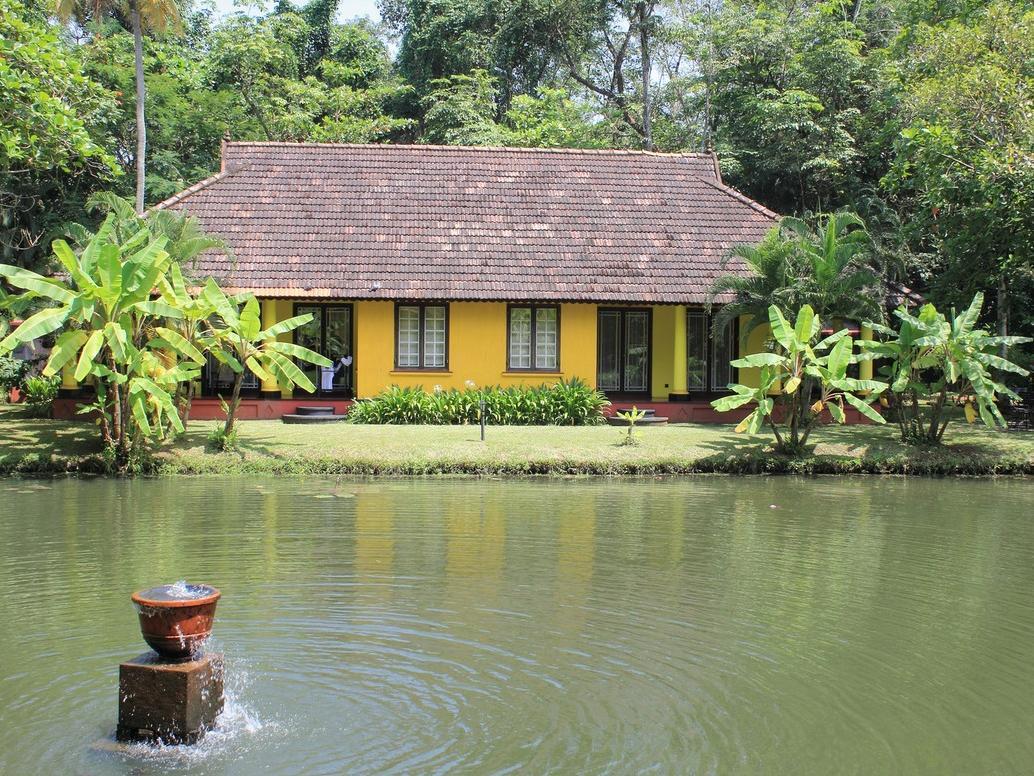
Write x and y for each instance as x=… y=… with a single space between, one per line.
x=176 y=625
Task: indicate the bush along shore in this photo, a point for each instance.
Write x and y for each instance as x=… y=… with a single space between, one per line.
x=37 y=447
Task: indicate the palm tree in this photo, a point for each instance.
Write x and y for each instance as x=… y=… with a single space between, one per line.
x=186 y=240
x=828 y=267
x=157 y=15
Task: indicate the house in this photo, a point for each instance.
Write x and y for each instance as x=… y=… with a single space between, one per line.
x=438 y=266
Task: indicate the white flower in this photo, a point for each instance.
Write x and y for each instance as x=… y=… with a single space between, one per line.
x=437 y=389
x=470 y=384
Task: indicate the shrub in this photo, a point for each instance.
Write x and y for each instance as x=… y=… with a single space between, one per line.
x=13 y=372
x=571 y=403
x=223 y=442
x=40 y=393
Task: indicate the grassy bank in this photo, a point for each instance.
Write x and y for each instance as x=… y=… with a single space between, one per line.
x=270 y=447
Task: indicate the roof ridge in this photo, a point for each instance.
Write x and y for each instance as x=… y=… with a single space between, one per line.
x=515 y=149
x=741 y=198
x=199 y=186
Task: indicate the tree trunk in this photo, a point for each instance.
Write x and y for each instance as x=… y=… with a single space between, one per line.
x=116 y=414
x=644 y=46
x=141 y=130
x=934 y=434
x=707 y=68
x=187 y=402
x=128 y=427
x=102 y=402
x=231 y=416
x=1003 y=316
x=775 y=430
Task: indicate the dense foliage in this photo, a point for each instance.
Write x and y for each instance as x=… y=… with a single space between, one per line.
x=571 y=403
x=832 y=268
x=13 y=373
x=50 y=153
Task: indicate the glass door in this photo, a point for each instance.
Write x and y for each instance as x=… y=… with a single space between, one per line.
x=623 y=358
x=637 y=351
x=310 y=336
x=329 y=333
x=608 y=372
x=337 y=346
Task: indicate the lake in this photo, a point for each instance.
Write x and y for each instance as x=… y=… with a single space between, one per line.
x=694 y=625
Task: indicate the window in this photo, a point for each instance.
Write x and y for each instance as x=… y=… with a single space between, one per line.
x=707 y=356
x=696 y=350
x=421 y=334
x=722 y=352
x=534 y=338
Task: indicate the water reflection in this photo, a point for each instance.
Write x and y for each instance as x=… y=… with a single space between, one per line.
x=706 y=625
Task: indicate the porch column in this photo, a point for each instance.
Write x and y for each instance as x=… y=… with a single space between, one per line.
x=865 y=367
x=69 y=385
x=270 y=388
x=679 y=378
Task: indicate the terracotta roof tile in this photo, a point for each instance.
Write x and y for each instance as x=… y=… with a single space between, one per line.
x=448 y=222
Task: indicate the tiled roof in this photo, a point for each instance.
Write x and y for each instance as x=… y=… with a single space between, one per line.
x=446 y=222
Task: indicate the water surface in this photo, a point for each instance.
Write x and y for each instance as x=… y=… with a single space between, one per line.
x=699 y=625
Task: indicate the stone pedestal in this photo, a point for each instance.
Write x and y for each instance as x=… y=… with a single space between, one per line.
x=166 y=702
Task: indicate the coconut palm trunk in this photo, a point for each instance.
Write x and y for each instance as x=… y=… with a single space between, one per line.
x=644 y=45
x=141 y=130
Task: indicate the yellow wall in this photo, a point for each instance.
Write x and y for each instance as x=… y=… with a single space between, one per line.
x=865 y=367
x=752 y=342
x=68 y=381
x=274 y=311
x=662 y=374
x=477 y=348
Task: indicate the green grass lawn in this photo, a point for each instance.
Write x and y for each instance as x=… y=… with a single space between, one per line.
x=271 y=447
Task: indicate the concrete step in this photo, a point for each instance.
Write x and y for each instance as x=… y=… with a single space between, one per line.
x=647 y=412
x=314 y=410
x=324 y=418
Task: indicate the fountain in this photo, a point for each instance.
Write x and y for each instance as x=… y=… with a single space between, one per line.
x=173 y=694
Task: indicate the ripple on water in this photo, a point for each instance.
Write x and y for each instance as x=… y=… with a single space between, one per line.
x=867 y=626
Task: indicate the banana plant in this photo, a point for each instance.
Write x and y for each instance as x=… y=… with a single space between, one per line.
x=238 y=340
x=631 y=417
x=187 y=335
x=106 y=308
x=800 y=379
x=933 y=362
x=12 y=306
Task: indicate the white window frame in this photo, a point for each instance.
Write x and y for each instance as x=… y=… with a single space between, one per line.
x=432 y=344
x=535 y=350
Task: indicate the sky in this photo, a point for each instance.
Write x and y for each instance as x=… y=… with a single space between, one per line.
x=349 y=9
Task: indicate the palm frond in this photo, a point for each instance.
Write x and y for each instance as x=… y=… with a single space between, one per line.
x=109 y=202
x=160 y=15
x=79 y=235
